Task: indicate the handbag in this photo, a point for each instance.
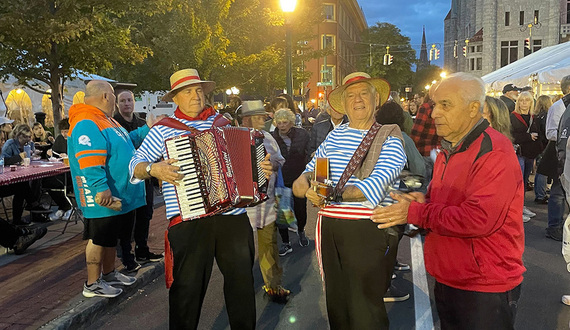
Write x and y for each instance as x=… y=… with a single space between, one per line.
x=284 y=202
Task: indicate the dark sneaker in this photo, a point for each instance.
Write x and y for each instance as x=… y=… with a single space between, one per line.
x=21 y=222
x=395 y=295
x=132 y=266
x=554 y=233
x=278 y=295
x=149 y=257
x=38 y=209
x=100 y=289
x=25 y=241
x=303 y=240
x=285 y=249
x=116 y=278
x=543 y=201
x=401 y=266
x=40 y=217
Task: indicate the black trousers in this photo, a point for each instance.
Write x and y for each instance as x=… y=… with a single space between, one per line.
x=195 y=244
x=300 y=209
x=358 y=259
x=8 y=234
x=140 y=223
x=470 y=310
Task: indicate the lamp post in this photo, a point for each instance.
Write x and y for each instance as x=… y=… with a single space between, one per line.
x=288 y=6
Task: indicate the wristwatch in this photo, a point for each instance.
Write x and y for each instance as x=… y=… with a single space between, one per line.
x=148 y=167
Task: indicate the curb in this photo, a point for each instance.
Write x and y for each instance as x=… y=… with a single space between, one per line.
x=83 y=310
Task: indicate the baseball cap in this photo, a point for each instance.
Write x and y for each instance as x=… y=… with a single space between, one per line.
x=510 y=87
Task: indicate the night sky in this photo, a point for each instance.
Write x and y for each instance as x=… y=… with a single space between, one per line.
x=409 y=16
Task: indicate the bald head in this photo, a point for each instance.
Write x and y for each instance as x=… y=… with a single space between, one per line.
x=100 y=94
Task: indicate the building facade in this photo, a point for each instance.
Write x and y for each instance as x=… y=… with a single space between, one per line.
x=340 y=31
x=482 y=36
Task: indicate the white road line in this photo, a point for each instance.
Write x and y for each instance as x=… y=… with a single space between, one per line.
x=422 y=304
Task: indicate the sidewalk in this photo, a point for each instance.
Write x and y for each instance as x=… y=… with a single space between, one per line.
x=43 y=286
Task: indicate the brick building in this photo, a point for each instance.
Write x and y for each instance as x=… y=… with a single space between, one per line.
x=493 y=32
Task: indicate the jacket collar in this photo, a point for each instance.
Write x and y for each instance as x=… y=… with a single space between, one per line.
x=468 y=139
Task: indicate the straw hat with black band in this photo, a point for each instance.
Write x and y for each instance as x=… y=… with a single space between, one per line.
x=381 y=86
x=184 y=78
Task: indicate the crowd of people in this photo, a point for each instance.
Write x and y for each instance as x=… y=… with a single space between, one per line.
x=473 y=154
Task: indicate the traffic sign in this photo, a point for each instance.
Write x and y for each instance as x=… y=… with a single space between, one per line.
x=324 y=83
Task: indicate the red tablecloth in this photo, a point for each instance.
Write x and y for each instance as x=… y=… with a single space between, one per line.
x=36 y=170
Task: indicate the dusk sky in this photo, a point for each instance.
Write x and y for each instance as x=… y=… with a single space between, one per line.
x=409 y=16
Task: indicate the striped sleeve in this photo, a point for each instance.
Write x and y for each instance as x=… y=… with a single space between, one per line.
x=151 y=150
x=90 y=146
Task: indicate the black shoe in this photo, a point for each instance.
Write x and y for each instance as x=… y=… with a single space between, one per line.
x=149 y=257
x=21 y=222
x=25 y=241
x=541 y=200
x=554 y=233
x=39 y=208
x=40 y=217
x=401 y=266
x=303 y=240
x=529 y=187
x=395 y=295
x=132 y=266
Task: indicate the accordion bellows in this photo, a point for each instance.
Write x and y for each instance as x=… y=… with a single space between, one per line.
x=221 y=168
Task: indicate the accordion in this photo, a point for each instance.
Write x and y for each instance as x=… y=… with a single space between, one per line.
x=221 y=168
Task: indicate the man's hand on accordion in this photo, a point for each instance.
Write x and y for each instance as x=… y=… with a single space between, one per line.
x=166 y=172
x=266 y=166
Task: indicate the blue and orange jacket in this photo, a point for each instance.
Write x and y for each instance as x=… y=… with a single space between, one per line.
x=99 y=153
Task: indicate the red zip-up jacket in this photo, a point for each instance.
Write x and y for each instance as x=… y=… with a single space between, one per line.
x=473 y=214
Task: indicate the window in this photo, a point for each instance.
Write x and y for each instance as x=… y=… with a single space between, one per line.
x=521 y=18
x=479 y=48
x=479 y=64
x=327 y=75
x=536 y=17
x=329 y=11
x=476 y=64
x=328 y=41
x=536 y=45
x=471 y=64
x=472 y=49
x=568 y=13
x=509 y=52
x=507 y=18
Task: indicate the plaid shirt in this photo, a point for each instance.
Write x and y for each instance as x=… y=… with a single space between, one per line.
x=423 y=131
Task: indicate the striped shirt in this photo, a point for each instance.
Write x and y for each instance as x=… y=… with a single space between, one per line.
x=152 y=149
x=340 y=145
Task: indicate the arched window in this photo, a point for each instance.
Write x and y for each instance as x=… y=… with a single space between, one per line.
x=19 y=107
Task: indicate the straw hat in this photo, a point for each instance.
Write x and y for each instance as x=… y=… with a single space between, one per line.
x=252 y=108
x=187 y=77
x=381 y=86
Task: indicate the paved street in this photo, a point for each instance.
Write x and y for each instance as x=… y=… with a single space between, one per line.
x=545 y=281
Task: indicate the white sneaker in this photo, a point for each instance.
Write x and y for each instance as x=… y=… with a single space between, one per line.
x=56 y=215
x=100 y=289
x=117 y=278
x=566 y=300
x=528 y=212
x=67 y=215
x=526 y=218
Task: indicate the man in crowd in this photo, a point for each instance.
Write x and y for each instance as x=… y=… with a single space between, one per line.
x=263 y=216
x=556 y=202
x=19 y=238
x=472 y=213
x=354 y=284
x=99 y=153
x=424 y=135
x=194 y=244
x=321 y=129
x=510 y=95
x=131 y=121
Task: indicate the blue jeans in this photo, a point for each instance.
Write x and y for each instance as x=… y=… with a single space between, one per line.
x=556 y=205
x=540 y=186
x=526 y=167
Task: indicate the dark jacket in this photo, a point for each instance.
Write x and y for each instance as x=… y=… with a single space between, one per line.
x=318 y=134
x=521 y=135
x=296 y=156
x=129 y=125
x=475 y=236
x=510 y=103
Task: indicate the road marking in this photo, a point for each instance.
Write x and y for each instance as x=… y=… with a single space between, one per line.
x=422 y=304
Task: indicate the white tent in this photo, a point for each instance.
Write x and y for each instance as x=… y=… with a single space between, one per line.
x=542 y=70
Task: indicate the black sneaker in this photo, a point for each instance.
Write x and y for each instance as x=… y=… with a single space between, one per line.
x=40 y=217
x=303 y=240
x=395 y=295
x=285 y=249
x=132 y=266
x=543 y=201
x=149 y=257
x=401 y=266
x=554 y=233
x=25 y=241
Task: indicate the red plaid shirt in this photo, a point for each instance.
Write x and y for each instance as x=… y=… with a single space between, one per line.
x=423 y=131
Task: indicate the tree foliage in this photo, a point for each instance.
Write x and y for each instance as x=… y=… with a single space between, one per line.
x=425 y=77
x=49 y=40
x=375 y=40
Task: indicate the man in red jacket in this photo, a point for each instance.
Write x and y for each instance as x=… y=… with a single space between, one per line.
x=472 y=213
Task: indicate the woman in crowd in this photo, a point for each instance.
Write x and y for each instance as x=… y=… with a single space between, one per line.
x=412 y=108
x=42 y=139
x=5 y=130
x=543 y=103
x=526 y=135
x=497 y=114
x=292 y=142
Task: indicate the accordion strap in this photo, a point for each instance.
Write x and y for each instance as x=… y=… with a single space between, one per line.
x=219 y=121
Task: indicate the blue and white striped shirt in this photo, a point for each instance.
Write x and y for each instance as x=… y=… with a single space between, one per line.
x=339 y=146
x=152 y=149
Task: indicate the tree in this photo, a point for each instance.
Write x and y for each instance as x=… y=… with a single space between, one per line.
x=374 y=42
x=425 y=77
x=48 y=41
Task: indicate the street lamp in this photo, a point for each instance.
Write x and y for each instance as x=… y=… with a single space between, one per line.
x=443 y=74
x=288 y=6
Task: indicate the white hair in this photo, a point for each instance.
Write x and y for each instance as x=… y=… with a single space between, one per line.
x=473 y=88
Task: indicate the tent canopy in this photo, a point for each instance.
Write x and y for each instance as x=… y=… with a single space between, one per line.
x=546 y=66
